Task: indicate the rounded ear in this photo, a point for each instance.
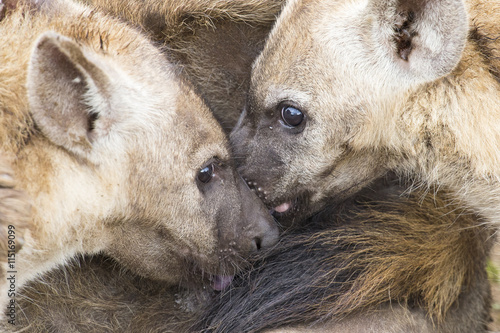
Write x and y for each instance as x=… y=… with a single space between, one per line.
x=425 y=38
x=66 y=92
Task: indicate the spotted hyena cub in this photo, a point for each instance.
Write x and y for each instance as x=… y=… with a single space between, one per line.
x=116 y=152
x=345 y=90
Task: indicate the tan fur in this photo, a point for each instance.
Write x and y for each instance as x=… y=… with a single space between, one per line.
x=431 y=252
x=108 y=142
x=437 y=299
x=172 y=20
x=401 y=320
x=372 y=103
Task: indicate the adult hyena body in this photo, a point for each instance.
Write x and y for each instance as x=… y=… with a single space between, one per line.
x=346 y=90
x=382 y=261
x=117 y=153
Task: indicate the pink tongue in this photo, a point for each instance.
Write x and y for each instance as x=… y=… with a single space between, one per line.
x=221 y=282
x=283 y=207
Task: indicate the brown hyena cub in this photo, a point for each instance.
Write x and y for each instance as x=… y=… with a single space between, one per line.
x=117 y=153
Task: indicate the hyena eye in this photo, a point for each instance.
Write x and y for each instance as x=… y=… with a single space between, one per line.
x=292 y=117
x=205 y=174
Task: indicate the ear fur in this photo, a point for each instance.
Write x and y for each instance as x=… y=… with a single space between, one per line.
x=426 y=38
x=66 y=91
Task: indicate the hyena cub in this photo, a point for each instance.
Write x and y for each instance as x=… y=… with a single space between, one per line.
x=345 y=90
x=117 y=153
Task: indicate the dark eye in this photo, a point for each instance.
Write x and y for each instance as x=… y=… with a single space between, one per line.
x=206 y=174
x=292 y=117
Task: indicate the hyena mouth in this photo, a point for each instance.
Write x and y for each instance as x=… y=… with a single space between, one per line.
x=263 y=195
x=218 y=281
x=218 y=276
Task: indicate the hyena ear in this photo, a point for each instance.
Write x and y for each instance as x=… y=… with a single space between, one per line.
x=425 y=38
x=68 y=93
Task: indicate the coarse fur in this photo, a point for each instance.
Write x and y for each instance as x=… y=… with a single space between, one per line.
x=116 y=152
x=411 y=86
x=215 y=42
x=95 y=294
x=382 y=262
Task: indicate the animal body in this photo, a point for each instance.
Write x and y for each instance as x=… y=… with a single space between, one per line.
x=117 y=152
x=346 y=90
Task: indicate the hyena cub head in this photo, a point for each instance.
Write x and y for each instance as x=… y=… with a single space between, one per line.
x=136 y=159
x=321 y=92
x=191 y=212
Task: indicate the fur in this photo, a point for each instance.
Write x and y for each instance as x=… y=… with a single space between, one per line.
x=400 y=290
x=418 y=254
x=15 y=211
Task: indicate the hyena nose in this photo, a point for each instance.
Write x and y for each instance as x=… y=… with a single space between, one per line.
x=266 y=234
x=257 y=244
x=260 y=230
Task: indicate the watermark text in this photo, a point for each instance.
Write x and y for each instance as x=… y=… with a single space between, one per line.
x=11 y=275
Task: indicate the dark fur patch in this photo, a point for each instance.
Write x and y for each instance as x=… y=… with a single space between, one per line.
x=403 y=35
x=97 y=295
x=486 y=44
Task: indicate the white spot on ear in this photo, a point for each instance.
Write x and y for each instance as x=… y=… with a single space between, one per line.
x=77 y=80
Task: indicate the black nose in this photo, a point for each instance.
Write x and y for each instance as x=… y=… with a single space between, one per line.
x=257 y=244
